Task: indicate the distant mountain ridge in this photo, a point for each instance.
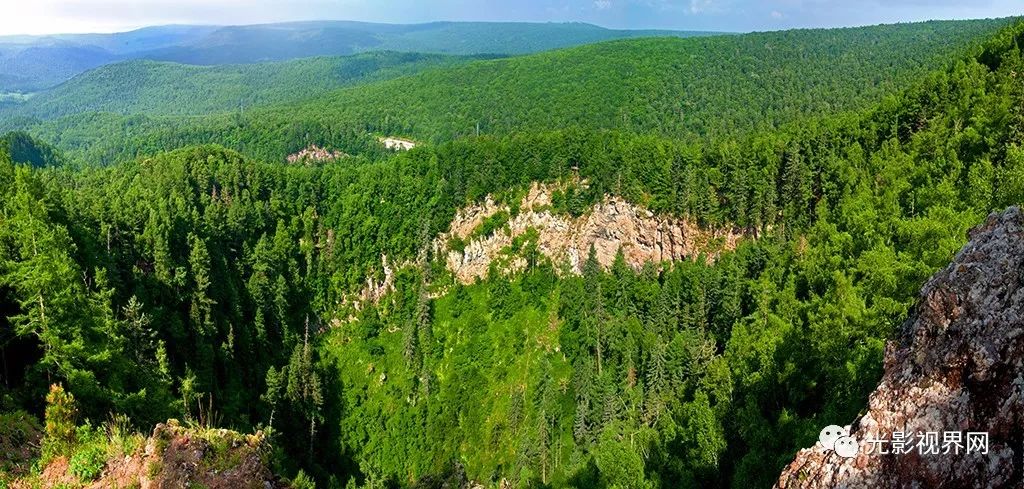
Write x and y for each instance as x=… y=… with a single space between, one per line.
x=32 y=63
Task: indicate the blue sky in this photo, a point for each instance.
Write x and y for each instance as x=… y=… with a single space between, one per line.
x=50 y=16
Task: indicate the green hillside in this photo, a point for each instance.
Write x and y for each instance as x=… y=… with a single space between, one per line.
x=29 y=63
x=668 y=86
x=31 y=67
x=24 y=149
x=161 y=88
x=686 y=88
x=512 y=37
x=207 y=285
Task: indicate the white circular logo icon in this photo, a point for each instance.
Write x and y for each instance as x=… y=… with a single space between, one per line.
x=847 y=447
x=830 y=434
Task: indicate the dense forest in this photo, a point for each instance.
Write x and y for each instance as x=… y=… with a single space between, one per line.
x=34 y=63
x=163 y=88
x=671 y=87
x=206 y=279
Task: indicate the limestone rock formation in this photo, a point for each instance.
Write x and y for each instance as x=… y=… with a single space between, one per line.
x=315 y=154
x=608 y=226
x=397 y=144
x=375 y=289
x=956 y=367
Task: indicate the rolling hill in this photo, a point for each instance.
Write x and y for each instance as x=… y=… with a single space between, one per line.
x=31 y=63
x=34 y=63
x=165 y=88
x=669 y=86
x=273 y=42
x=32 y=67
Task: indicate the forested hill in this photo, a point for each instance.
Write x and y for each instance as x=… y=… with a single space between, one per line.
x=673 y=87
x=30 y=63
x=668 y=86
x=254 y=43
x=164 y=88
x=24 y=149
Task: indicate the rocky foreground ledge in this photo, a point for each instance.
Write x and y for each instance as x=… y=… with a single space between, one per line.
x=957 y=366
x=173 y=457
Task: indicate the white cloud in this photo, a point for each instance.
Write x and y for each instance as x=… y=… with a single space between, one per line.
x=76 y=16
x=777 y=15
x=603 y=4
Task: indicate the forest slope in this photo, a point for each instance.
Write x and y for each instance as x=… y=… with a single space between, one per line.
x=163 y=88
x=673 y=87
x=203 y=277
x=30 y=63
x=668 y=86
x=269 y=42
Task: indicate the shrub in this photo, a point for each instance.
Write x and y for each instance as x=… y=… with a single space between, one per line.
x=491 y=224
x=90 y=454
x=123 y=440
x=303 y=481
x=60 y=422
x=87 y=463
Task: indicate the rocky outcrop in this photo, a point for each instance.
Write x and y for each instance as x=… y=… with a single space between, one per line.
x=315 y=154
x=397 y=144
x=375 y=288
x=176 y=457
x=956 y=367
x=608 y=226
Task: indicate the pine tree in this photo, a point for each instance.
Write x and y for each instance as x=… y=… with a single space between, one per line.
x=61 y=413
x=304 y=389
x=595 y=300
x=202 y=304
x=275 y=389
x=138 y=332
x=655 y=382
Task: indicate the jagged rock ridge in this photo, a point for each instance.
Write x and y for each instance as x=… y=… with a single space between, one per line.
x=608 y=226
x=957 y=365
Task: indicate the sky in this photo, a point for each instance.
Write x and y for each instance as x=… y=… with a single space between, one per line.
x=76 y=16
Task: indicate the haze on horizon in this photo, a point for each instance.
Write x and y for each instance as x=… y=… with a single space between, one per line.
x=96 y=16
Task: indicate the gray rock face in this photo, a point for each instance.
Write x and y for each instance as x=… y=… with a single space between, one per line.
x=608 y=226
x=957 y=366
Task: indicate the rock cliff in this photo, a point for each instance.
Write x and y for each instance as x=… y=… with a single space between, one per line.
x=956 y=367
x=608 y=226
